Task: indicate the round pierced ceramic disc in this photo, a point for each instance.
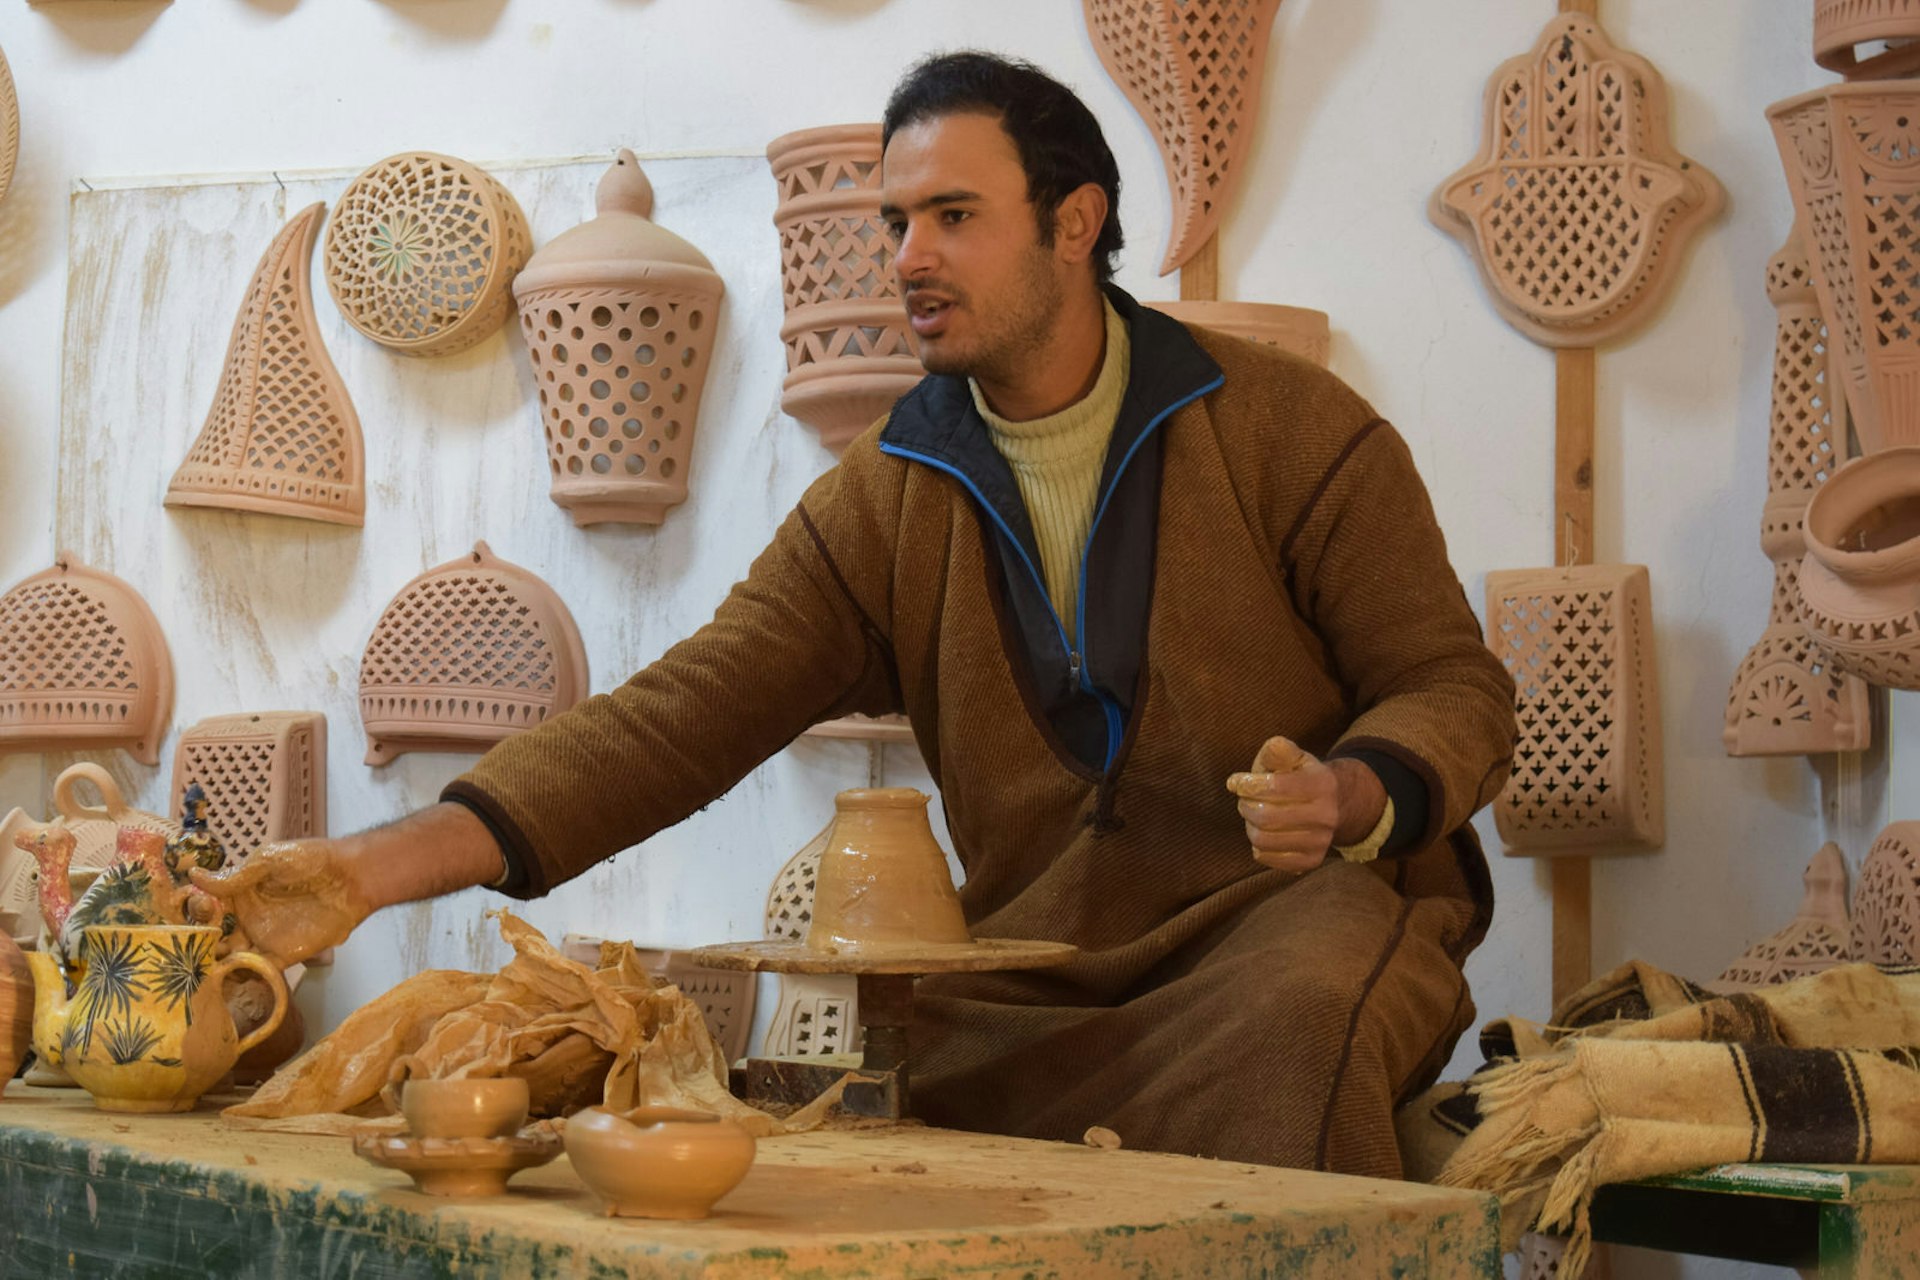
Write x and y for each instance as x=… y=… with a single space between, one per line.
x=978 y=956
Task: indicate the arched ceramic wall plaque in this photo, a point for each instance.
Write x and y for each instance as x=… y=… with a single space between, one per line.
x=264 y=774
x=620 y=317
x=1786 y=697
x=9 y=127
x=1296 y=329
x=282 y=436
x=422 y=252
x=1840 y=26
x=1587 y=766
x=850 y=353
x=1886 y=901
x=467 y=654
x=1859 y=585
x=1816 y=939
x=83 y=665
x=1578 y=208
x=1853 y=163
x=1192 y=69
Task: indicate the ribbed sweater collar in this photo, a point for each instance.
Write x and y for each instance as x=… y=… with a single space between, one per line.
x=1076 y=432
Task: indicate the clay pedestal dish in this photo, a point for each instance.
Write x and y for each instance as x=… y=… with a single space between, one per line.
x=1860 y=581
x=658 y=1162
x=459 y=1166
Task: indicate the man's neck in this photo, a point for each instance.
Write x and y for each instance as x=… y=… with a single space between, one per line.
x=1064 y=371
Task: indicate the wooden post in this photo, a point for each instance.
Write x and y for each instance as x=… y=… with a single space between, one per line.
x=1573 y=540
x=1200 y=276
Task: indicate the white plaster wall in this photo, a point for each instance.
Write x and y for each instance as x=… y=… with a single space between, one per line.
x=1370 y=104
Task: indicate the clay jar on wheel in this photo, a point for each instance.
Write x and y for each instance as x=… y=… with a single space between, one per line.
x=658 y=1162
x=883 y=882
x=1860 y=581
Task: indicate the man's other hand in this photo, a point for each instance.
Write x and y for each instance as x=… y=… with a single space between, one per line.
x=1296 y=807
x=294 y=898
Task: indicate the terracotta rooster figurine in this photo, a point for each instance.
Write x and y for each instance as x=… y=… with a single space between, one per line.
x=51 y=848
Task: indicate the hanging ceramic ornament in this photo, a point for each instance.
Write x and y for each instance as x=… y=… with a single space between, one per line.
x=1859 y=585
x=1192 y=69
x=263 y=777
x=1840 y=27
x=467 y=654
x=83 y=665
x=1787 y=698
x=282 y=436
x=619 y=316
x=850 y=353
x=1815 y=939
x=1578 y=207
x=422 y=252
x=1587 y=765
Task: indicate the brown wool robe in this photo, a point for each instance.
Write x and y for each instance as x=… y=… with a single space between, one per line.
x=1217 y=1007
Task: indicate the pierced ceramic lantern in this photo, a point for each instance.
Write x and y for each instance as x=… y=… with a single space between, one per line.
x=422 y=252
x=1296 y=329
x=1886 y=901
x=620 y=317
x=83 y=665
x=814 y=1013
x=1578 y=206
x=282 y=436
x=1860 y=581
x=467 y=654
x=1193 y=70
x=1787 y=698
x=264 y=774
x=1852 y=155
x=1587 y=766
x=1839 y=26
x=850 y=351
x=1816 y=939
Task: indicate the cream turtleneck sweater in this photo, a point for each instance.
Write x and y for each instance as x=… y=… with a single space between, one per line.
x=1056 y=461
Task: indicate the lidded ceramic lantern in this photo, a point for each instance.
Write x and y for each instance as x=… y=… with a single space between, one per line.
x=83 y=665
x=883 y=883
x=620 y=316
x=469 y=653
x=1860 y=581
x=850 y=351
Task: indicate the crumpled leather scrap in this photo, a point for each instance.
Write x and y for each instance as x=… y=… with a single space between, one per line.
x=610 y=1036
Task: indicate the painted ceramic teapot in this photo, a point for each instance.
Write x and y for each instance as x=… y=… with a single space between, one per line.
x=147 y=1028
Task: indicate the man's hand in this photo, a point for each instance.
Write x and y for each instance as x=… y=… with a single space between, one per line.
x=1296 y=807
x=293 y=898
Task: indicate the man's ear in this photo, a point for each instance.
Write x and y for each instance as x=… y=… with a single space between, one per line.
x=1077 y=222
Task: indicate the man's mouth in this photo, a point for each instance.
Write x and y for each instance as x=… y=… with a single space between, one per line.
x=928 y=313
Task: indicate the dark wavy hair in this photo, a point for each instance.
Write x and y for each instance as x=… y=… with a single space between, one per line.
x=1060 y=143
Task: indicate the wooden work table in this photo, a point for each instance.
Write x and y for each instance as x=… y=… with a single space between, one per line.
x=91 y=1193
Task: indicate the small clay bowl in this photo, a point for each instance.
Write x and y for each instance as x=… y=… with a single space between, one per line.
x=464 y=1108
x=658 y=1162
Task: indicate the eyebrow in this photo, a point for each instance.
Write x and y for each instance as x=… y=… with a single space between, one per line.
x=933 y=202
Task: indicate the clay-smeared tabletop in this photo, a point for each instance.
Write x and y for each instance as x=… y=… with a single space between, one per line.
x=87 y=1192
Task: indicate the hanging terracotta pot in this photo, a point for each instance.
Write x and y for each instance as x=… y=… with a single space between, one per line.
x=1587 y=764
x=263 y=775
x=83 y=665
x=282 y=435
x=1296 y=329
x=1816 y=939
x=619 y=316
x=1886 y=902
x=1860 y=580
x=1840 y=26
x=1193 y=70
x=1578 y=206
x=1854 y=168
x=1786 y=697
x=850 y=352
x=422 y=251
x=467 y=654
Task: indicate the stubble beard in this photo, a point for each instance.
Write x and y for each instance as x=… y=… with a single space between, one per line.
x=1016 y=337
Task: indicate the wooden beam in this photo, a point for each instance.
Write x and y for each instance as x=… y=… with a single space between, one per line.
x=1580 y=6
x=1573 y=544
x=1200 y=276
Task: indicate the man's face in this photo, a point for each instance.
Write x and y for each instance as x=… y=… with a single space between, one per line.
x=981 y=291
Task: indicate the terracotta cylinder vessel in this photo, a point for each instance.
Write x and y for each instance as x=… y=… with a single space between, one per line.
x=883 y=882
x=1860 y=581
x=619 y=316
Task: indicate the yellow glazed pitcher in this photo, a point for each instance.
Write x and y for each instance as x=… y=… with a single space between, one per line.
x=147 y=1029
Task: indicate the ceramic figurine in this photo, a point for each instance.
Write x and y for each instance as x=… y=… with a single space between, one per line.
x=1578 y=207
x=94 y=828
x=1860 y=581
x=658 y=1162
x=620 y=317
x=138 y=887
x=264 y=774
x=883 y=880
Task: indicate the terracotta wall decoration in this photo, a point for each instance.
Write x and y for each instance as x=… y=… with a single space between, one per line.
x=815 y=1013
x=282 y=435
x=422 y=253
x=1854 y=171
x=1192 y=69
x=1578 y=207
x=1817 y=938
x=264 y=776
x=468 y=653
x=1302 y=331
x=95 y=830
x=1786 y=697
x=1587 y=767
x=9 y=127
x=1860 y=581
x=1839 y=26
x=619 y=316
x=850 y=353
x=1886 y=901
x=83 y=665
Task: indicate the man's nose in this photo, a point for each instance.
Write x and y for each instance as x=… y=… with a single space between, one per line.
x=914 y=256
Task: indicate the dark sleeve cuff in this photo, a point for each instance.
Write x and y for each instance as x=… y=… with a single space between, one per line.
x=523 y=880
x=1411 y=801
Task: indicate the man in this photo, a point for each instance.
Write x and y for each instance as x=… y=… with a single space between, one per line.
x=1103 y=562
